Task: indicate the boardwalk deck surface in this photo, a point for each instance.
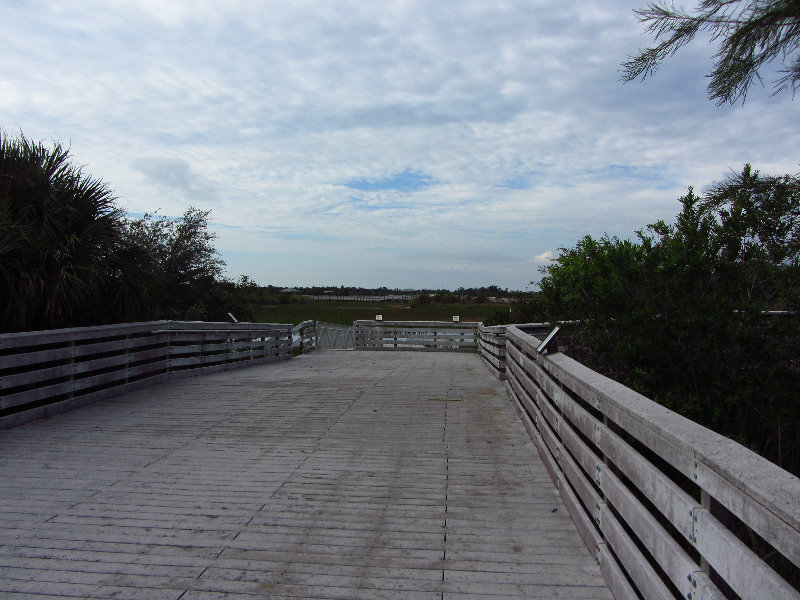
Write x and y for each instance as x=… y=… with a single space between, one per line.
x=335 y=475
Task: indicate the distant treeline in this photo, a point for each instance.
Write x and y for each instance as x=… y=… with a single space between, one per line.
x=282 y=295
x=389 y=293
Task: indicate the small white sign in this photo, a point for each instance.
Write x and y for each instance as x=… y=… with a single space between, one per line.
x=379 y=317
x=455 y=318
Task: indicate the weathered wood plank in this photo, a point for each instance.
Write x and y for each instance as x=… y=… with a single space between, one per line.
x=412 y=478
x=738 y=566
x=123 y=345
x=29 y=359
x=76 y=334
x=636 y=565
x=35 y=395
x=38 y=376
x=612 y=572
x=679 y=567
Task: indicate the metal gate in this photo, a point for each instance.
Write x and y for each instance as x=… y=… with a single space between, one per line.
x=331 y=336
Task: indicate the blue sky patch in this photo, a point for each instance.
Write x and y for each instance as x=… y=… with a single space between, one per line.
x=371 y=205
x=406 y=181
x=516 y=183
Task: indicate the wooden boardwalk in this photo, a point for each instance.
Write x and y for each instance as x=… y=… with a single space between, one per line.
x=335 y=475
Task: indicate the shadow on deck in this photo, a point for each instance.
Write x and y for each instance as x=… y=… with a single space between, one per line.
x=335 y=475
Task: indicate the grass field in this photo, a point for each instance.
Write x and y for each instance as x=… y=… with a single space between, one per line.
x=347 y=312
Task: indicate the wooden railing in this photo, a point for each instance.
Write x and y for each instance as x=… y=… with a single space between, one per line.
x=46 y=372
x=492 y=348
x=416 y=335
x=492 y=345
x=669 y=508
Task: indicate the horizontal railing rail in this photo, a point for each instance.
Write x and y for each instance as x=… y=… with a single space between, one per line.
x=416 y=335
x=45 y=372
x=670 y=509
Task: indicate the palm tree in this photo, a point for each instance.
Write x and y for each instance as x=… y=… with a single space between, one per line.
x=59 y=234
x=69 y=257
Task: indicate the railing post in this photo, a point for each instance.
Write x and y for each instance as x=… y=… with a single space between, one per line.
x=126 y=380
x=705 y=501
x=72 y=371
x=169 y=353
x=202 y=349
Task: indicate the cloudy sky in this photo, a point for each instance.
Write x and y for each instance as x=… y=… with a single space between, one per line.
x=402 y=143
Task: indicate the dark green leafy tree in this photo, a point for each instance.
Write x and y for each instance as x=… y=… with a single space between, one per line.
x=751 y=34
x=187 y=270
x=700 y=315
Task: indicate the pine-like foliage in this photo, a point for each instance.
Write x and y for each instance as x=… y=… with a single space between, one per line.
x=751 y=34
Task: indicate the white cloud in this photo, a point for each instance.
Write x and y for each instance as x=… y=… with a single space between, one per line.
x=511 y=113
